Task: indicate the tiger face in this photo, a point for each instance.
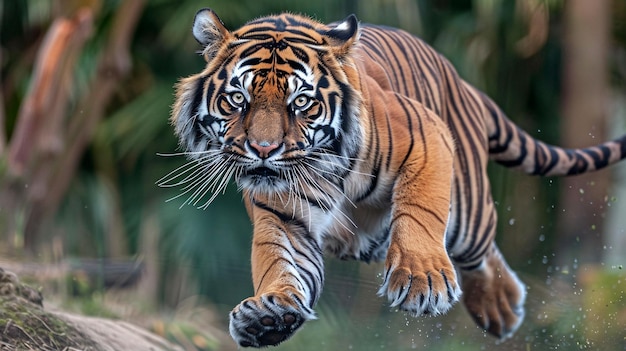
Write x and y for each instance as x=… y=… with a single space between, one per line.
x=275 y=106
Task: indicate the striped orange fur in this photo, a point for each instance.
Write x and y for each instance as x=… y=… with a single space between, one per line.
x=362 y=142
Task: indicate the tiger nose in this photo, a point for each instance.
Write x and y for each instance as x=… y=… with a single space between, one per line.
x=264 y=149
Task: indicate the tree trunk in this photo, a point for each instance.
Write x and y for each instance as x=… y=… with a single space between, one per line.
x=39 y=162
x=585 y=89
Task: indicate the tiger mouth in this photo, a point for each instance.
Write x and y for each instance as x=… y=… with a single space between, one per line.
x=262 y=179
x=264 y=172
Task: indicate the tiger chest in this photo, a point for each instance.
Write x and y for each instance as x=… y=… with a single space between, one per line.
x=360 y=230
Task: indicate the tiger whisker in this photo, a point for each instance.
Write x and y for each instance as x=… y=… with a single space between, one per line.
x=217 y=183
x=184 y=168
x=221 y=188
x=306 y=197
x=280 y=197
x=295 y=187
x=203 y=184
x=191 y=121
x=238 y=174
x=320 y=152
x=190 y=153
x=336 y=165
x=228 y=171
x=329 y=199
x=189 y=170
x=291 y=195
x=202 y=175
x=305 y=176
x=188 y=189
x=319 y=172
x=202 y=179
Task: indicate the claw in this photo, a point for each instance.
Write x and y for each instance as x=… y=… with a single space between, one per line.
x=420 y=292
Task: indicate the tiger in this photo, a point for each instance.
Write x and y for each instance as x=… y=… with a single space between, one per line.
x=362 y=142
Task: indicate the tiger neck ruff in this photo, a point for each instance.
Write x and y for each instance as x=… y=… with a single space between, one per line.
x=362 y=142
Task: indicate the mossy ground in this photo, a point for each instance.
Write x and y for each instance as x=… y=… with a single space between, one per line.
x=24 y=325
x=91 y=323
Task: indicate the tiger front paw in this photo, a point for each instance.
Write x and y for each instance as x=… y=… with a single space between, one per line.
x=420 y=286
x=268 y=319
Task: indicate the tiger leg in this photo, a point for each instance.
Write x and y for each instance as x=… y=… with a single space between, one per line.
x=287 y=272
x=419 y=277
x=493 y=295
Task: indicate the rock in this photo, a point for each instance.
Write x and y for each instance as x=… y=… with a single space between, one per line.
x=26 y=324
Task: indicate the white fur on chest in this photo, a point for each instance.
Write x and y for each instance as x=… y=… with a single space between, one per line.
x=359 y=230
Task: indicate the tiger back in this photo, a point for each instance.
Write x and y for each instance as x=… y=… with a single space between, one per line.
x=364 y=143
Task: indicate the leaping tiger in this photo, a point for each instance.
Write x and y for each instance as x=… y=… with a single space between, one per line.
x=363 y=142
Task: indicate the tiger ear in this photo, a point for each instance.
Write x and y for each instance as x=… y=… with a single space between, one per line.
x=344 y=35
x=209 y=31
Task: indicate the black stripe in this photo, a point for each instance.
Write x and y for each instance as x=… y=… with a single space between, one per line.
x=380 y=46
x=283 y=217
x=520 y=159
x=545 y=168
x=580 y=166
x=390 y=142
x=198 y=93
x=601 y=162
x=272 y=243
x=410 y=128
x=301 y=304
x=453 y=228
x=375 y=173
x=478 y=250
x=311 y=282
x=271 y=267
x=398 y=216
x=474 y=194
x=427 y=210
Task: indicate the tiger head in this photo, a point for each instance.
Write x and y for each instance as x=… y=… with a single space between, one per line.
x=277 y=103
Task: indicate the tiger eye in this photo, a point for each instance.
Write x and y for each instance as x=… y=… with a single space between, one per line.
x=237 y=98
x=301 y=101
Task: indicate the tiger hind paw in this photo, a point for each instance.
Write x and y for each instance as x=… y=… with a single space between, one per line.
x=494 y=297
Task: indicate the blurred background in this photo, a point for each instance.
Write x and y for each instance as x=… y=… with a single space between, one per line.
x=87 y=87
